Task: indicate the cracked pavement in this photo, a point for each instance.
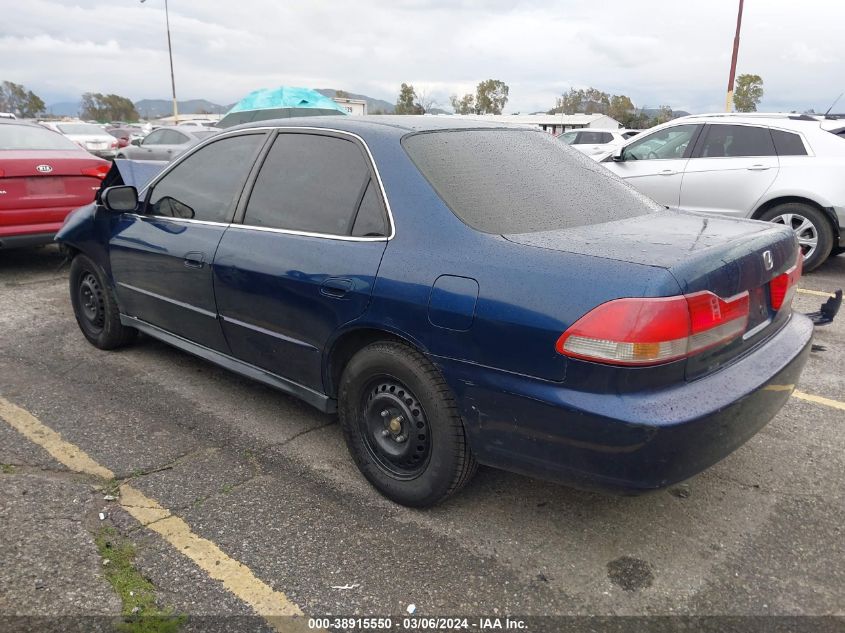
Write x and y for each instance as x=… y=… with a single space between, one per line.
x=269 y=481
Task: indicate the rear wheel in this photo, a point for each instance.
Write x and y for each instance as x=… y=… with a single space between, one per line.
x=811 y=227
x=402 y=425
x=95 y=307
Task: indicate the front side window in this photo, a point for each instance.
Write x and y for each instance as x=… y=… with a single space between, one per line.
x=155 y=138
x=309 y=183
x=595 y=138
x=733 y=141
x=568 y=137
x=668 y=143
x=206 y=185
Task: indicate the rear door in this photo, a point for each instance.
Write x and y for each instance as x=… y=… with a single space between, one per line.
x=654 y=163
x=304 y=259
x=161 y=258
x=731 y=168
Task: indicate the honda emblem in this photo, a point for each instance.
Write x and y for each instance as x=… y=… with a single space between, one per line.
x=768 y=262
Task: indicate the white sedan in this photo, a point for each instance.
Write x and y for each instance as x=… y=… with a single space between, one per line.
x=597 y=143
x=89 y=136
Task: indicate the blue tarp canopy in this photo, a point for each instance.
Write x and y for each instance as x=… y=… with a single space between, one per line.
x=279 y=103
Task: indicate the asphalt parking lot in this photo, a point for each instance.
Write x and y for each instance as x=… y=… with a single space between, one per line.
x=235 y=497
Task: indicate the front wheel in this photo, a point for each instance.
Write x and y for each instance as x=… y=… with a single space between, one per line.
x=811 y=228
x=402 y=425
x=95 y=307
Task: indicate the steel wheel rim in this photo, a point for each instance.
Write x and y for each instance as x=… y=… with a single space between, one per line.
x=395 y=429
x=91 y=304
x=805 y=231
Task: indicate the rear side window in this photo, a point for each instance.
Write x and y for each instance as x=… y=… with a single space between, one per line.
x=370 y=221
x=309 y=183
x=520 y=181
x=788 y=144
x=206 y=185
x=721 y=141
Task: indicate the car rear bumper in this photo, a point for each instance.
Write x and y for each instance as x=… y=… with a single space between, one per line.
x=630 y=442
x=23 y=235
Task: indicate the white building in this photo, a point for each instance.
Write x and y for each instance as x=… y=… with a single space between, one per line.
x=357 y=107
x=552 y=123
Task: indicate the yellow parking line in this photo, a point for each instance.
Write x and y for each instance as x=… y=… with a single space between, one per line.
x=235 y=576
x=817 y=293
x=818 y=400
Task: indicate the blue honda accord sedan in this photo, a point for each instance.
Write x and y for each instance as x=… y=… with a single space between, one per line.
x=459 y=293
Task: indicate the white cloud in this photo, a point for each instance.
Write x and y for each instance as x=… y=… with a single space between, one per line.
x=655 y=51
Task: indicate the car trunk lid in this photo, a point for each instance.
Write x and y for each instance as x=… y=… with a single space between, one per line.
x=703 y=253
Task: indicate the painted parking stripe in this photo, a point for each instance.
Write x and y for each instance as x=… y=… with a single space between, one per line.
x=236 y=577
x=817 y=293
x=819 y=400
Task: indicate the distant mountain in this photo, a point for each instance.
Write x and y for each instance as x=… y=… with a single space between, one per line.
x=373 y=105
x=653 y=112
x=156 y=108
x=64 y=108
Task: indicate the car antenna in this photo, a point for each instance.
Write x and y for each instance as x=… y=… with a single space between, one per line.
x=834 y=103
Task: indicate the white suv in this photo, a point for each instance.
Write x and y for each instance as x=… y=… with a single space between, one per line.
x=783 y=168
x=593 y=142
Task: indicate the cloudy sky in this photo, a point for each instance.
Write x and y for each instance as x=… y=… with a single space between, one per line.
x=655 y=51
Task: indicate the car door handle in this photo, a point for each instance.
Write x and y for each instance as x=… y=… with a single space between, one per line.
x=195 y=260
x=758 y=168
x=336 y=287
x=666 y=172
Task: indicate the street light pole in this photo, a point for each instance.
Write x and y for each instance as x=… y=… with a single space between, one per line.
x=730 y=97
x=170 y=54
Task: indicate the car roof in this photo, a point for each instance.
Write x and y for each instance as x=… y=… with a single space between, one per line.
x=402 y=124
x=786 y=120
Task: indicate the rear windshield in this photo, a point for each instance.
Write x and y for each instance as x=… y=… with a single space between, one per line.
x=31 y=137
x=521 y=181
x=80 y=128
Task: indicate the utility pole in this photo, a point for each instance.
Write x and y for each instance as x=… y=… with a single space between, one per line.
x=170 y=54
x=730 y=97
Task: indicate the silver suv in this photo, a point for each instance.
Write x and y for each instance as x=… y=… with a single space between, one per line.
x=783 y=168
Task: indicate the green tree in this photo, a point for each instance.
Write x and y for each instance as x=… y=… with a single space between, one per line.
x=463 y=105
x=491 y=96
x=622 y=109
x=663 y=115
x=16 y=99
x=407 y=101
x=748 y=92
x=110 y=107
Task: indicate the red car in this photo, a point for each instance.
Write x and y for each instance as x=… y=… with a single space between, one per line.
x=43 y=177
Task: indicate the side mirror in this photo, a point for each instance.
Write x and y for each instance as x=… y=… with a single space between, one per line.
x=136 y=142
x=123 y=198
x=616 y=156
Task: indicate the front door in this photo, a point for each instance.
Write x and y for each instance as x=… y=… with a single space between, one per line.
x=305 y=258
x=731 y=169
x=161 y=257
x=654 y=164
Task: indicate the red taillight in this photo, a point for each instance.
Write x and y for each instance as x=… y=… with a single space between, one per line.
x=782 y=288
x=649 y=331
x=99 y=171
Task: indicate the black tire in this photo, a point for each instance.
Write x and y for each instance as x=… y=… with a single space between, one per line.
x=95 y=307
x=389 y=376
x=794 y=214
